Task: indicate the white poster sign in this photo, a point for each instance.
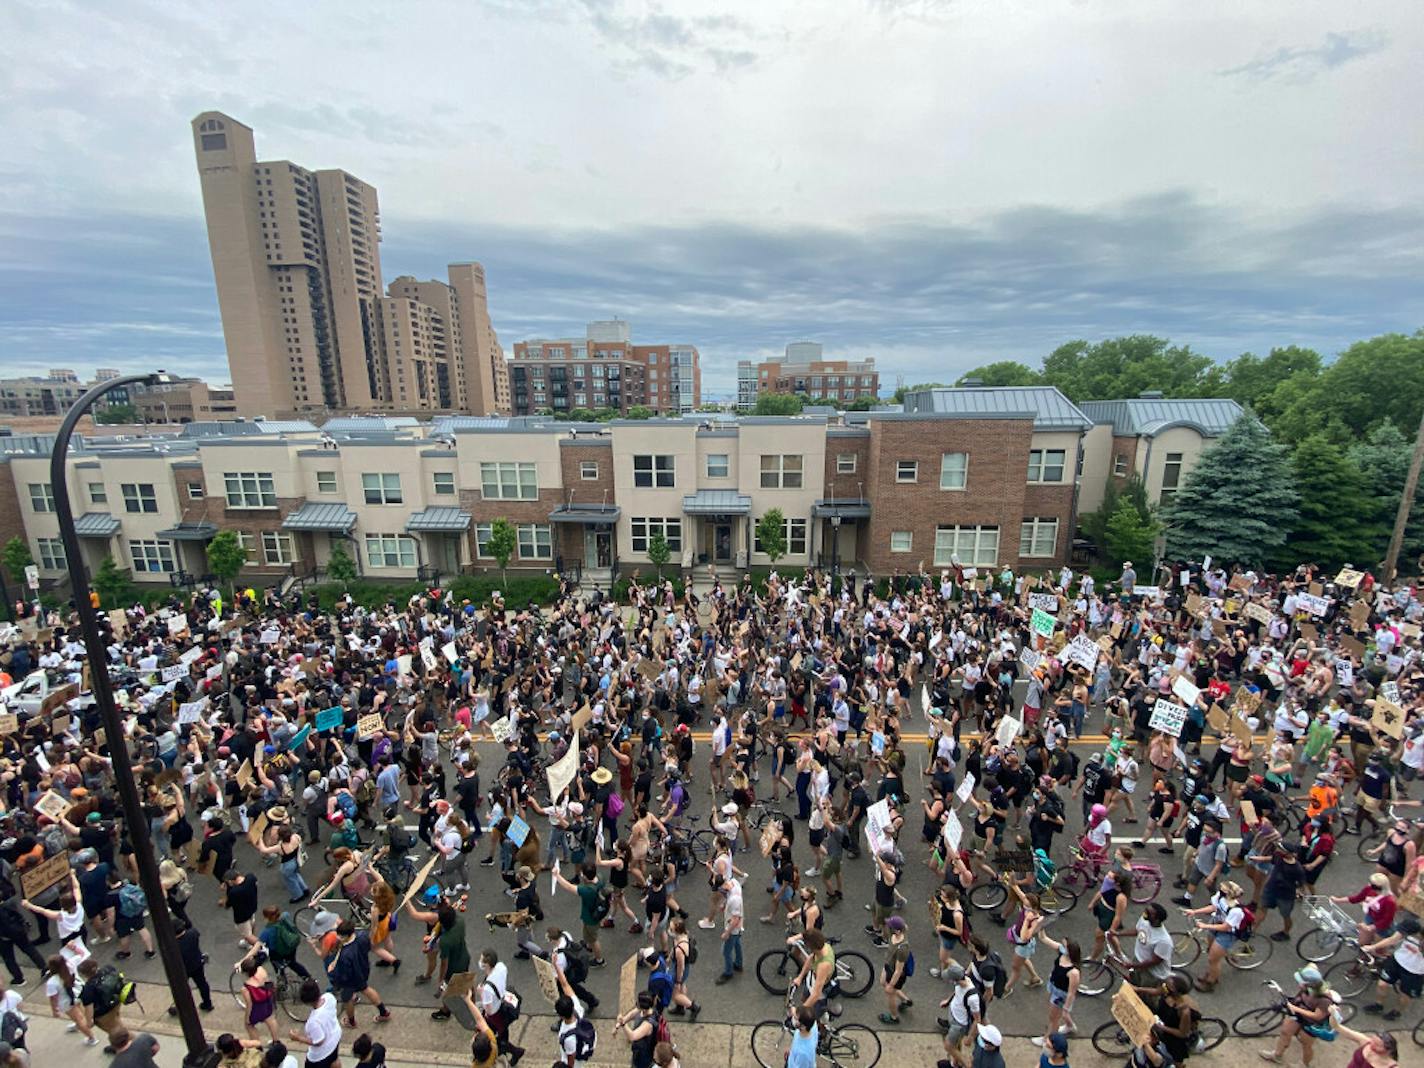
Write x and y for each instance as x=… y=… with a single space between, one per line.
x=1316 y=606
x=270 y=636
x=1008 y=730
x=877 y=826
x=1152 y=593
x=1044 y=602
x=562 y=771
x=965 y=788
x=1168 y=716
x=1082 y=650
x=177 y=624
x=174 y=671
x=451 y=653
x=189 y=712
x=953 y=830
x=1185 y=689
x=1029 y=659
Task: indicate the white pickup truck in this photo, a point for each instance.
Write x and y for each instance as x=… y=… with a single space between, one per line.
x=37 y=695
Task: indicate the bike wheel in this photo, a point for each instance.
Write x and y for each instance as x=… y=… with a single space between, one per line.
x=1368 y=844
x=854 y=974
x=1146 y=885
x=774 y=971
x=304 y=918
x=1112 y=1041
x=987 y=896
x=1257 y=1022
x=1057 y=900
x=1094 y=977
x=1347 y=1010
x=1318 y=945
x=1418 y=1033
x=288 y=996
x=852 y=1046
x=1349 y=978
x=770 y=1044
x=700 y=844
x=1211 y=1033
x=1245 y=956
x=234 y=987
x=1185 y=949
x=1074 y=879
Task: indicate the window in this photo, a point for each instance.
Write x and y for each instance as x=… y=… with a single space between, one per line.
x=588 y=470
x=98 y=494
x=277 y=547
x=248 y=544
x=42 y=497
x=152 y=556
x=719 y=465
x=482 y=537
x=1119 y=465
x=444 y=483
x=901 y=540
x=643 y=530
x=509 y=482
x=907 y=471
x=1038 y=537
x=781 y=471
x=845 y=463
x=326 y=481
x=536 y=541
x=953 y=470
x=196 y=491
x=390 y=550
x=1046 y=465
x=382 y=489
x=974 y=546
x=795 y=531
x=139 y=497
x=649 y=471
x=52 y=556
x=250 y=489
x=1171 y=475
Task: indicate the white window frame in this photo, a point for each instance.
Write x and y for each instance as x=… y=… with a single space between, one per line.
x=901 y=471
x=537 y=539
x=483 y=532
x=381 y=487
x=249 y=489
x=152 y=557
x=1119 y=465
x=248 y=543
x=642 y=528
x=326 y=482
x=42 y=496
x=278 y=548
x=1040 y=462
x=796 y=532
x=954 y=475
x=721 y=460
x=588 y=470
x=846 y=463
x=654 y=470
x=98 y=493
x=196 y=491
x=782 y=470
x=902 y=541
x=1031 y=535
x=443 y=483
x=981 y=550
x=1171 y=460
x=51 y=554
x=143 y=494
x=382 y=548
x=509 y=480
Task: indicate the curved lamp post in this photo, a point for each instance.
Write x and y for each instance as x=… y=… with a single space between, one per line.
x=200 y=1054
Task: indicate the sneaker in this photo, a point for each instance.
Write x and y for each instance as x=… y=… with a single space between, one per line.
x=1374 y=1008
x=934 y=973
x=1280 y=936
x=722 y=979
x=488 y=862
x=1183 y=900
x=1037 y=1040
x=707 y=925
x=870 y=929
x=71 y=1028
x=92 y=1040
x=812 y=873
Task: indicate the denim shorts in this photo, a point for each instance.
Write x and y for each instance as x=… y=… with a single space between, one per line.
x=1026 y=950
x=1224 y=939
x=1056 y=996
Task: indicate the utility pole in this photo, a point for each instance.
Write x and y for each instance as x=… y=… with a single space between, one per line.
x=1401 y=517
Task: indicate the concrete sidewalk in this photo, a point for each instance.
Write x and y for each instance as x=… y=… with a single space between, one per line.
x=412 y=1040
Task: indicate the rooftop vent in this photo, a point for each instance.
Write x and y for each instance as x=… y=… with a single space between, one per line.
x=1150 y=394
x=972 y=383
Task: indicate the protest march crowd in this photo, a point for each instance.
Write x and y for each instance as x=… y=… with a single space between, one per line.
x=349 y=781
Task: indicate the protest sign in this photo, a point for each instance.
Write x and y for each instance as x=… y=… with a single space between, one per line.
x=174 y=671
x=1168 y=716
x=628 y=987
x=329 y=718
x=1218 y=719
x=1008 y=730
x=965 y=788
x=1259 y=612
x=244 y=774
x=953 y=830
x=1185 y=690
x=1043 y=623
x=1248 y=814
x=9 y=723
x=1315 y=605
x=1133 y=1016
x=119 y=622
x=582 y=717
x=877 y=825
x=1349 y=578
x=1029 y=659
x=418 y=883
x=1352 y=647
x=1083 y=651
x=1388 y=718
x=270 y=636
x=1044 y=602
x=177 y=624
x=369 y=724
x=1150 y=593
x=1359 y=615
x=562 y=771
x=51 y=805
x=299 y=738
x=189 y=655
x=518 y=831
x=499 y=729
x=428 y=658
x=258 y=829
x=548 y=979
x=50 y=872
x=450 y=652
x=1344 y=672
x=1389 y=690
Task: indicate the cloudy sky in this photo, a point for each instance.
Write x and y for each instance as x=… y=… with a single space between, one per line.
x=937 y=183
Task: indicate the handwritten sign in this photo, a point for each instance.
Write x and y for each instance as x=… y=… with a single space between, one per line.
x=329 y=718
x=628 y=986
x=562 y=771
x=1029 y=659
x=50 y=872
x=500 y=729
x=1133 y=1015
x=1388 y=718
x=1217 y=717
x=369 y=724
x=965 y=789
x=177 y=624
x=258 y=829
x=877 y=826
x=518 y=831
x=1008 y=730
x=953 y=831
x=582 y=717
x=1349 y=578
x=548 y=978
x=1044 y=602
x=244 y=774
x=450 y=652
x=1168 y=717
x=52 y=805
x=119 y=622
x=9 y=723
x=174 y=672
x=1082 y=650
x=1042 y=623
x=1248 y=814
x=270 y=636
x=1259 y=612
x=299 y=739
x=1315 y=605
x=1151 y=593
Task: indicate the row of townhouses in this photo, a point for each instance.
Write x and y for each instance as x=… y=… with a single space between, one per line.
x=990 y=476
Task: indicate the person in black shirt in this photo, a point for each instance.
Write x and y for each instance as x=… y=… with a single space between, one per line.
x=218 y=843
x=191 y=951
x=1045 y=816
x=240 y=895
x=1093 y=783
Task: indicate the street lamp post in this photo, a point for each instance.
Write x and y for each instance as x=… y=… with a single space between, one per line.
x=200 y=1054
x=835 y=548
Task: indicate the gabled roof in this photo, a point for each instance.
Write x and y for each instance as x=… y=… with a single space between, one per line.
x=1046 y=405
x=1145 y=416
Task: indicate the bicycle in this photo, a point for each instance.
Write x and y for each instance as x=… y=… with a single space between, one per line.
x=285 y=988
x=359 y=913
x=397 y=874
x=853 y=978
x=1246 y=955
x=1352 y=977
x=1333 y=929
x=1053 y=899
x=1084 y=874
x=760 y=813
x=1112 y=1041
x=1098 y=974
x=1264 y=1020
x=839 y=1046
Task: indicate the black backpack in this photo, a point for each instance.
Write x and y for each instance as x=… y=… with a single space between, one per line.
x=585 y=1039
x=576 y=961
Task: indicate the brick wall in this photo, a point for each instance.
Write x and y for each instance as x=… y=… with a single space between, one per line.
x=517 y=512
x=572 y=454
x=848 y=486
x=12 y=524
x=1127 y=447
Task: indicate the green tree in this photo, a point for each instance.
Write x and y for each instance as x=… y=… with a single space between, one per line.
x=1132 y=489
x=639 y=411
x=1127 y=366
x=226 y=556
x=658 y=552
x=1238 y=504
x=1260 y=384
x=111 y=584
x=1336 y=524
x=860 y=404
x=771 y=534
x=340 y=567
x=779 y=404
x=117 y=413
x=1003 y=373
x=1127 y=534
x=16 y=556
x=1371 y=381
x=501 y=544
x=899 y=395
x=1383 y=461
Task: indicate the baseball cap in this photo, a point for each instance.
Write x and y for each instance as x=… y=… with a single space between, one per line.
x=1308 y=975
x=989 y=1035
x=1058 y=1042
x=954 y=973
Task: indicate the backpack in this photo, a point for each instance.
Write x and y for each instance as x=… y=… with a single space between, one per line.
x=12 y=1029
x=910 y=964
x=601 y=905
x=585 y=1039
x=576 y=961
x=660 y=984
x=347 y=804
x=614 y=806
x=286 y=940
x=1247 y=926
x=994 y=964
x=109 y=986
x=661 y=1031
x=133 y=902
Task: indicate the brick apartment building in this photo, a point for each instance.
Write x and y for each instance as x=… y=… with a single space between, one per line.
x=805 y=373
x=604 y=369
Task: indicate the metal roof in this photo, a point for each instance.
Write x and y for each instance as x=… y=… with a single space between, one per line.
x=438 y=520
x=96 y=525
x=717 y=502
x=315 y=516
x=201 y=530
x=1145 y=416
x=845 y=508
x=1046 y=405
x=585 y=513
x=360 y=424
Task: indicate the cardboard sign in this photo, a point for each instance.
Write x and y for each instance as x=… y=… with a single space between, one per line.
x=1168 y=717
x=258 y=829
x=1106 y=645
x=59 y=725
x=1008 y=730
x=1195 y=604
x=49 y=872
x=1042 y=622
x=628 y=986
x=1132 y=1015
x=1388 y=718
x=1218 y=719
x=1353 y=647
x=500 y=729
x=1312 y=603
x=1044 y=602
x=1316 y=589
x=57 y=698
x=418 y=883
x=330 y=718
x=1248 y=814
x=457 y=986
x=562 y=771
x=370 y=724
x=1186 y=690
x=582 y=718
x=9 y=723
x=1359 y=615
x=52 y=805
x=1410 y=630
x=1240 y=582
x=1242 y=730
x=244 y=774
x=548 y=978
x=1349 y=578
x=650 y=668
x=1413 y=901
x=119 y=622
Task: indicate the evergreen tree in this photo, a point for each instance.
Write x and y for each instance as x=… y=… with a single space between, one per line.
x=1336 y=523
x=1238 y=504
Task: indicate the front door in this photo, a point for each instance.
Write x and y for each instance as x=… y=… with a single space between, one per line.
x=722 y=543
x=597 y=547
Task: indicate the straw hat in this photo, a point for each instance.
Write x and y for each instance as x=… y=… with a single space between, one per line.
x=602 y=775
x=277 y=814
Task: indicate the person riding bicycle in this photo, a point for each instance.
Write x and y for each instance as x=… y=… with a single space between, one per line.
x=818 y=970
x=343 y=834
x=352 y=875
x=1094 y=842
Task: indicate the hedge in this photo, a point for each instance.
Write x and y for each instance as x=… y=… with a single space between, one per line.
x=518 y=591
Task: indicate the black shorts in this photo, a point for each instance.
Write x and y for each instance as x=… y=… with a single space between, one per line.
x=817 y=837
x=1236 y=772
x=325 y=1062
x=1408 y=983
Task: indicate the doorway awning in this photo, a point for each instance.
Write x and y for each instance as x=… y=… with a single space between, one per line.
x=201 y=530
x=717 y=502
x=438 y=521
x=96 y=525
x=585 y=513
x=841 y=508
x=311 y=516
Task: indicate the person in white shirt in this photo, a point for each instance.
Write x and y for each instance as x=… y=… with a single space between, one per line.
x=321 y=1033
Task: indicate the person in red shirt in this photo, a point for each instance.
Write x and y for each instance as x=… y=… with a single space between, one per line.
x=1380 y=906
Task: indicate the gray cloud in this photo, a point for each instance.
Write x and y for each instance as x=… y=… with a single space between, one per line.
x=671 y=46
x=1303 y=64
